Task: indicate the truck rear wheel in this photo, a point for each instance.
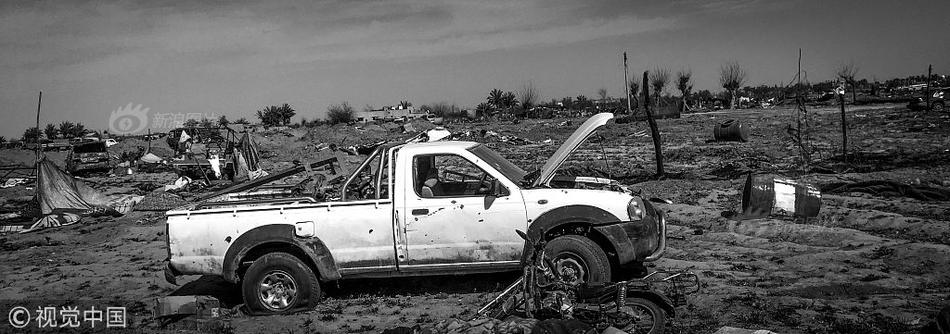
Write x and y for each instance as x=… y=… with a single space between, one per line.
x=579 y=256
x=279 y=283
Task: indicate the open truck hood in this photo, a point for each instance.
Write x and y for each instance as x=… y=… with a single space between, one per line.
x=570 y=145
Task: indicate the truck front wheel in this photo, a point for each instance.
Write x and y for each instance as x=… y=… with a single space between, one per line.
x=578 y=258
x=279 y=283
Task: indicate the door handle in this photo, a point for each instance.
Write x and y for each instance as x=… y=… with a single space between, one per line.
x=418 y=212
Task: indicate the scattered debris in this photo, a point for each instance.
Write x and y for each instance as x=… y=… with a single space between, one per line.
x=179 y=184
x=890 y=189
x=186 y=312
x=14 y=181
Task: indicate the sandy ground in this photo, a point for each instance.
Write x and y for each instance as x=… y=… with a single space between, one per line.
x=867 y=264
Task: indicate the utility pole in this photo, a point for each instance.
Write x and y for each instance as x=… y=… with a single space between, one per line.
x=626 y=85
x=930 y=69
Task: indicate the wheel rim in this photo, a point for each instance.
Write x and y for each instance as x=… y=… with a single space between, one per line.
x=642 y=318
x=277 y=291
x=571 y=267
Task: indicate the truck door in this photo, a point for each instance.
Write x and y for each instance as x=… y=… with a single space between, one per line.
x=452 y=221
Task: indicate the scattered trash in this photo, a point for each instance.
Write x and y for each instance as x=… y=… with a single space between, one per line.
x=13 y=182
x=179 y=184
x=160 y=201
x=765 y=195
x=187 y=312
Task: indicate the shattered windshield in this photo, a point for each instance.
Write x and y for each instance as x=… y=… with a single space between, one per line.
x=512 y=172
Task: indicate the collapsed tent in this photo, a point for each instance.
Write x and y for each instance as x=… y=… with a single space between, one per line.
x=247 y=160
x=63 y=200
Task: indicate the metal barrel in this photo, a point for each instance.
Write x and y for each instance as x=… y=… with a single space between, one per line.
x=731 y=130
x=765 y=195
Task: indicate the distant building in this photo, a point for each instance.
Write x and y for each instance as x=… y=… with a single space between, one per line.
x=389 y=113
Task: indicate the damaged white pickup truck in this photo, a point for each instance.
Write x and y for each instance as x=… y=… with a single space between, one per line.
x=413 y=209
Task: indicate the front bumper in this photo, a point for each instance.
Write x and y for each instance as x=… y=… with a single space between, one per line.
x=637 y=241
x=84 y=166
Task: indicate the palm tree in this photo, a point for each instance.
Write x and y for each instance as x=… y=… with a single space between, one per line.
x=495 y=98
x=484 y=110
x=50 y=131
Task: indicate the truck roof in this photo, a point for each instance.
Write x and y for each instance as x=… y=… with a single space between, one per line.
x=447 y=144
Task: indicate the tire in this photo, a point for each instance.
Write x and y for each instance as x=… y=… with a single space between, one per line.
x=293 y=285
x=939 y=107
x=581 y=254
x=649 y=317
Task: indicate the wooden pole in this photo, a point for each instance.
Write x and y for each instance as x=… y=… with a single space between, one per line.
x=844 y=128
x=927 y=92
x=39 y=103
x=36 y=163
x=654 y=132
x=626 y=84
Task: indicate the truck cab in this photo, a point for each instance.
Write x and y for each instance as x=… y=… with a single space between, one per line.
x=434 y=208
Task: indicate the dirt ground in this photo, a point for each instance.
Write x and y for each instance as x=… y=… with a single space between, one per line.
x=869 y=263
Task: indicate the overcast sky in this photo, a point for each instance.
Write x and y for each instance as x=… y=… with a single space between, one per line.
x=231 y=58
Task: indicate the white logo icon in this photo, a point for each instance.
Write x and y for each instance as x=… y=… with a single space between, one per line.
x=127 y=120
x=19 y=317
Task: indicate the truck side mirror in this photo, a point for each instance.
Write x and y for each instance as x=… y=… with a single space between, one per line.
x=522 y=235
x=498 y=190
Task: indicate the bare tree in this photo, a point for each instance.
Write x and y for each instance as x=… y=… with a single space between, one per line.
x=634 y=92
x=602 y=93
x=684 y=82
x=732 y=77
x=654 y=131
x=848 y=72
x=658 y=80
x=529 y=97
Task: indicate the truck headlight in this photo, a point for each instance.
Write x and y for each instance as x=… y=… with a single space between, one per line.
x=635 y=209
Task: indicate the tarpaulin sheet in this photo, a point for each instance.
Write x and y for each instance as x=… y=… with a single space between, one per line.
x=58 y=191
x=62 y=199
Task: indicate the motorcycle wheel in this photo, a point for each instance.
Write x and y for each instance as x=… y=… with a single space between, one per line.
x=646 y=317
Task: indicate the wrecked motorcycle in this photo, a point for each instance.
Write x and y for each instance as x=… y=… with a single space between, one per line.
x=545 y=291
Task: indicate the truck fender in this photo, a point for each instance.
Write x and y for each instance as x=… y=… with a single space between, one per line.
x=585 y=215
x=280 y=235
x=663 y=301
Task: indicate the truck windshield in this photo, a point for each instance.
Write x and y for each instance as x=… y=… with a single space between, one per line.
x=90 y=148
x=512 y=172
